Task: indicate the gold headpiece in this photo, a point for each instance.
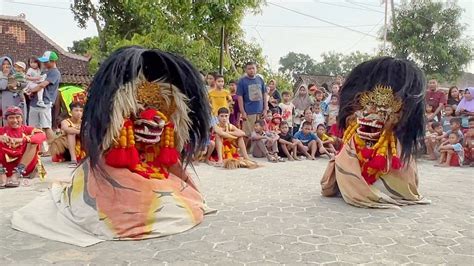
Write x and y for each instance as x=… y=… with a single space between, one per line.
x=151 y=94
x=381 y=96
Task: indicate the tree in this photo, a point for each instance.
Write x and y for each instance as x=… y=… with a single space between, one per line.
x=429 y=33
x=331 y=63
x=296 y=63
x=352 y=60
x=191 y=28
x=82 y=47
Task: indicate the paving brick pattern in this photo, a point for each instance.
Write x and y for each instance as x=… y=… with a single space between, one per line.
x=275 y=215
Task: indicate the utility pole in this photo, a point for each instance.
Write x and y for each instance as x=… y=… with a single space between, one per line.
x=385 y=29
x=221 y=56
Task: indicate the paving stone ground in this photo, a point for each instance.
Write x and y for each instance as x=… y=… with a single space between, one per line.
x=275 y=215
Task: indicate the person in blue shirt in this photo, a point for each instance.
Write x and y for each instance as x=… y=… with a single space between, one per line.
x=252 y=97
x=312 y=143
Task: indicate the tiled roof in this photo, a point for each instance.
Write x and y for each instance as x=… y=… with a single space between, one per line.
x=20 y=40
x=76 y=79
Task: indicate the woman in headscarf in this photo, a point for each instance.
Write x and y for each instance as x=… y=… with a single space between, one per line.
x=274 y=97
x=302 y=101
x=454 y=97
x=7 y=82
x=465 y=107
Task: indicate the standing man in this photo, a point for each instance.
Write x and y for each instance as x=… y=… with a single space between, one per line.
x=435 y=98
x=253 y=97
x=41 y=117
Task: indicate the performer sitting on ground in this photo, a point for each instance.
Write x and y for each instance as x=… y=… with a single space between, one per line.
x=451 y=151
x=229 y=141
x=329 y=142
x=68 y=145
x=313 y=146
x=264 y=144
x=18 y=149
x=287 y=145
x=381 y=113
x=144 y=108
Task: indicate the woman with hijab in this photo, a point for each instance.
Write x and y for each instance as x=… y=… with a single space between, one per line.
x=6 y=83
x=465 y=107
x=302 y=101
x=274 y=97
x=454 y=96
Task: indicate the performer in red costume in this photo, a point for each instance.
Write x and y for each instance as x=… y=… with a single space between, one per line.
x=18 y=148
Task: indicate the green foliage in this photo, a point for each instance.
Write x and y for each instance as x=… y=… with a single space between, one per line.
x=331 y=63
x=430 y=34
x=283 y=81
x=188 y=27
x=81 y=47
x=296 y=63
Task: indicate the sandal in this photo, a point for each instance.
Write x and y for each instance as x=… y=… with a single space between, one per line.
x=280 y=159
x=73 y=165
x=12 y=182
x=3 y=177
x=272 y=159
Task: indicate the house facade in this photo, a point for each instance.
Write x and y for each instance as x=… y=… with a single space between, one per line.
x=20 y=40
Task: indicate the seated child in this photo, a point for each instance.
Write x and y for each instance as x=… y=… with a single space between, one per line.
x=263 y=143
x=469 y=142
x=68 y=145
x=452 y=152
x=433 y=139
x=274 y=125
x=287 y=144
x=318 y=116
x=446 y=119
x=312 y=144
x=229 y=140
x=455 y=128
x=310 y=118
x=205 y=155
x=429 y=114
x=328 y=141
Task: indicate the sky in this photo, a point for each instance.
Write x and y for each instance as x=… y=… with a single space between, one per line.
x=311 y=26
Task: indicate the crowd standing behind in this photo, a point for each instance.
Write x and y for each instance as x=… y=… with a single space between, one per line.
x=268 y=123
x=281 y=126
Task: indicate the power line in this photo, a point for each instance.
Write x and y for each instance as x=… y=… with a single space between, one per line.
x=363 y=6
x=350 y=7
x=32 y=4
x=305 y=26
x=363 y=37
x=323 y=20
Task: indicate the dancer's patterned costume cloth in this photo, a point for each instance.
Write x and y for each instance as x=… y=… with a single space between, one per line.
x=381 y=113
x=145 y=117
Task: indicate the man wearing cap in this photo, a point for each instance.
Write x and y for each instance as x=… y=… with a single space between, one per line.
x=41 y=117
x=18 y=148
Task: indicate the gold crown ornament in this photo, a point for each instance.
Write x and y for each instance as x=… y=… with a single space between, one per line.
x=381 y=96
x=156 y=95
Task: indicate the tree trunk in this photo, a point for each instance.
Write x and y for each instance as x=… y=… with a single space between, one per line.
x=100 y=32
x=227 y=51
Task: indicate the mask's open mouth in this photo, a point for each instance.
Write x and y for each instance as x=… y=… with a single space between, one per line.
x=369 y=129
x=148 y=131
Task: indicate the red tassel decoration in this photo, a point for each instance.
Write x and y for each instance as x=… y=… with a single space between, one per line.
x=379 y=162
x=367 y=152
x=396 y=163
x=134 y=157
x=118 y=158
x=168 y=156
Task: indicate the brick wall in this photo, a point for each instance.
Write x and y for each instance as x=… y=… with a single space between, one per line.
x=19 y=41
